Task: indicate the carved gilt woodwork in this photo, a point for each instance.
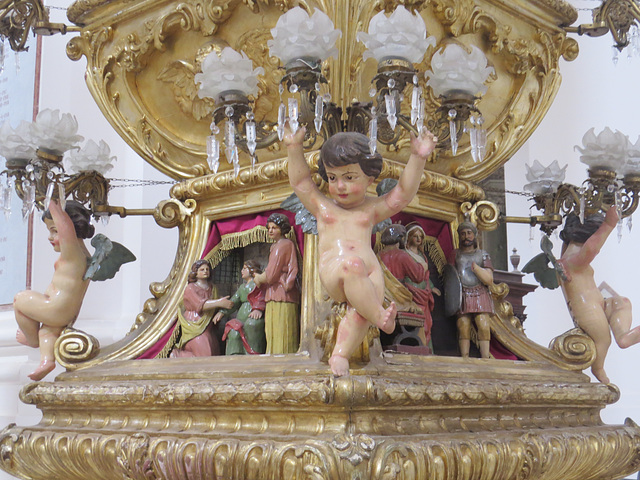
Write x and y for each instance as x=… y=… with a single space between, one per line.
x=397 y=416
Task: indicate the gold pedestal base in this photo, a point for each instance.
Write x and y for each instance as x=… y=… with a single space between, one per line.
x=285 y=417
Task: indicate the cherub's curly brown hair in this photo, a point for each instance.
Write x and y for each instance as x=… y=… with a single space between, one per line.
x=348 y=148
x=575 y=231
x=79 y=215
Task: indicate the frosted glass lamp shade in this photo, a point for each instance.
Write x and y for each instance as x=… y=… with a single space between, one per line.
x=300 y=36
x=456 y=70
x=607 y=150
x=230 y=71
x=632 y=165
x=543 y=180
x=16 y=144
x=92 y=156
x=401 y=35
x=55 y=133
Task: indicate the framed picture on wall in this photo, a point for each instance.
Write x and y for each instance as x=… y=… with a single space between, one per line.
x=19 y=84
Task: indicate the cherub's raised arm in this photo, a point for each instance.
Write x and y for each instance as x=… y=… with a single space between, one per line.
x=595 y=242
x=299 y=172
x=400 y=196
x=66 y=231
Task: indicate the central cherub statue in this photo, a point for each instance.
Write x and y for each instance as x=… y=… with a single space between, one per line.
x=348 y=267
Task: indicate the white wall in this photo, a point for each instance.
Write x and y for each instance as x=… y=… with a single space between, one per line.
x=593 y=93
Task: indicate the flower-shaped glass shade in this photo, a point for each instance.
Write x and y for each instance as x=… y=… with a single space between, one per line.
x=230 y=71
x=632 y=165
x=55 y=133
x=16 y=144
x=606 y=150
x=456 y=70
x=401 y=35
x=92 y=156
x=543 y=180
x=296 y=35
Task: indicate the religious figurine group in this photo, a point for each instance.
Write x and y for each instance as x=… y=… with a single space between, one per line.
x=262 y=315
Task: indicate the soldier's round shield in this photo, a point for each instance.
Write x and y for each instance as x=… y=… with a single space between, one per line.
x=452 y=290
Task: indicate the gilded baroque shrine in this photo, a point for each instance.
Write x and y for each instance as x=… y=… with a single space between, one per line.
x=130 y=410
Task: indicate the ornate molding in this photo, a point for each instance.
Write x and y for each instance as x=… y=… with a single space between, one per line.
x=266 y=174
x=388 y=390
x=484 y=214
x=570 y=454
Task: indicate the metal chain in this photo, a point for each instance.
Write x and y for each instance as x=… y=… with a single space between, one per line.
x=512 y=192
x=129 y=182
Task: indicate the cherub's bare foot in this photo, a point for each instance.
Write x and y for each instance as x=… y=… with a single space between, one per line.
x=389 y=319
x=339 y=365
x=43 y=369
x=600 y=374
x=22 y=338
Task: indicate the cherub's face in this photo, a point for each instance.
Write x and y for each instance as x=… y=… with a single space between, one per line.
x=203 y=272
x=53 y=234
x=348 y=185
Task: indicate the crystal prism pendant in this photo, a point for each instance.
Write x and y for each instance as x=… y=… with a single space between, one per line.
x=390 y=103
x=7 y=201
x=416 y=96
x=317 y=121
x=213 y=153
x=293 y=115
x=373 y=132
x=453 y=131
x=49 y=195
x=282 y=117
x=62 y=195
x=481 y=138
x=229 y=139
x=250 y=131
x=421 y=114
x=236 y=162
x=473 y=139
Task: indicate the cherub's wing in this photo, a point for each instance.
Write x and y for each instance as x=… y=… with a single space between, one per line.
x=539 y=266
x=304 y=218
x=107 y=259
x=381 y=226
x=547 y=248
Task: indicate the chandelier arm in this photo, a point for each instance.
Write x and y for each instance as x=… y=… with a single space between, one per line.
x=630 y=194
x=564 y=201
x=88 y=187
x=620 y=37
x=17 y=18
x=405 y=122
x=264 y=139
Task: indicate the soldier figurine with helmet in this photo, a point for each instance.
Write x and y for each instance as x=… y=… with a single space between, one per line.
x=474 y=271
